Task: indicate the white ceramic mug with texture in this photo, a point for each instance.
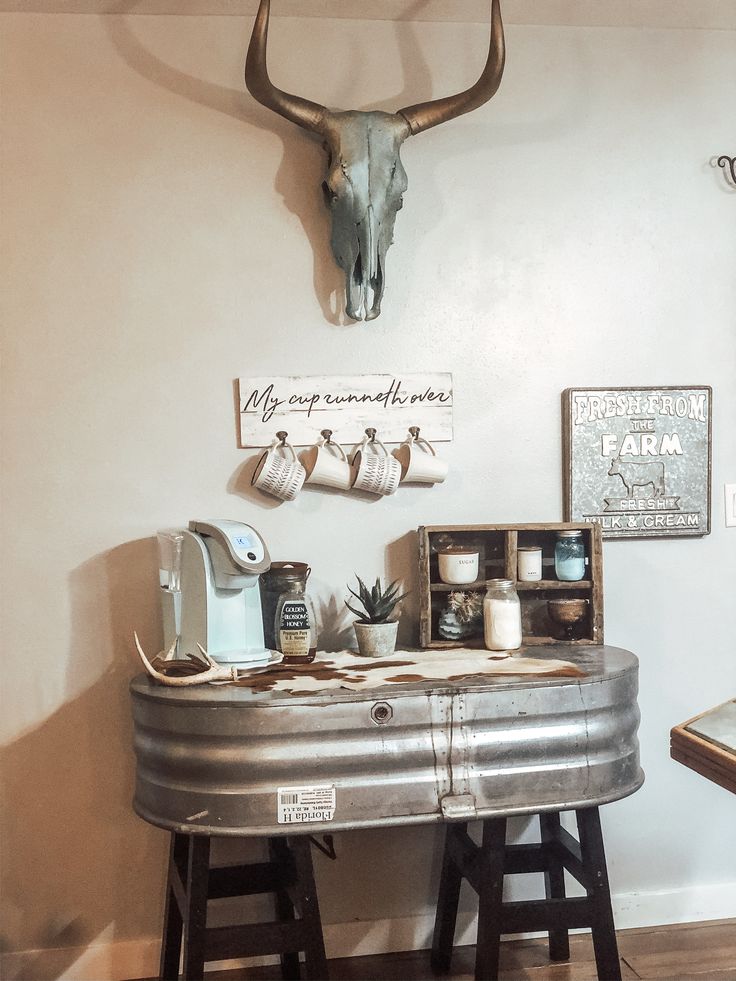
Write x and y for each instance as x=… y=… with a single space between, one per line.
x=419 y=462
x=326 y=463
x=278 y=472
x=374 y=469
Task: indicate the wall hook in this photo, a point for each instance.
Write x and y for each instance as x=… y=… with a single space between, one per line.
x=729 y=168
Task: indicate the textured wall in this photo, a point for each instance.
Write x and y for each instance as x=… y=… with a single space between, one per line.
x=164 y=235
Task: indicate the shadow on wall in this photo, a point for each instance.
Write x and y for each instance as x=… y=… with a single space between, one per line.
x=401 y=555
x=240 y=484
x=300 y=172
x=303 y=163
x=336 y=625
x=75 y=856
x=377 y=875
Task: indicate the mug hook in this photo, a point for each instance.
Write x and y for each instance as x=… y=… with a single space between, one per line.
x=371 y=434
x=326 y=435
x=282 y=436
x=414 y=431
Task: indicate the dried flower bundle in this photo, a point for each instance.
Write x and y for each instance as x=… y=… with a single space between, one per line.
x=466 y=606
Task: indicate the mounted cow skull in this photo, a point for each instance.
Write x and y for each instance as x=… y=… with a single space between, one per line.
x=365 y=179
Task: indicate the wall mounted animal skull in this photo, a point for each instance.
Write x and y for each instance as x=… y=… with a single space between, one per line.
x=365 y=179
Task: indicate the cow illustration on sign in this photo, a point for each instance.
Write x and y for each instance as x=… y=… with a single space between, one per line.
x=639 y=475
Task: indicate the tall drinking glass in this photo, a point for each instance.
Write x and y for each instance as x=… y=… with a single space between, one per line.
x=169 y=558
x=169 y=579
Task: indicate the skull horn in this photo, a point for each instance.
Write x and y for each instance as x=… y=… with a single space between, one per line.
x=304 y=113
x=424 y=115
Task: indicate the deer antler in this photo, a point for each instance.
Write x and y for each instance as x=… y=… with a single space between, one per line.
x=215 y=671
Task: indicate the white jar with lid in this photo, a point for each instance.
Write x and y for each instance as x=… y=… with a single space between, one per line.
x=458 y=565
x=501 y=616
x=529 y=563
x=570 y=555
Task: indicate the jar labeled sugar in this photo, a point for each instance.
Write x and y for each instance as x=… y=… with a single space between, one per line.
x=458 y=565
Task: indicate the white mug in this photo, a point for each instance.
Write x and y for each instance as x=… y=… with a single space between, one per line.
x=419 y=462
x=373 y=469
x=326 y=463
x=278 y=475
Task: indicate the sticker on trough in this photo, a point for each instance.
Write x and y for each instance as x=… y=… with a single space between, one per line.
x=298 y=805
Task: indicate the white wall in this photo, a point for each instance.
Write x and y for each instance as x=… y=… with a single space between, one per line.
x=164 y=235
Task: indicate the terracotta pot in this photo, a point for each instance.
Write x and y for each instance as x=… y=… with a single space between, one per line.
x=376 y=639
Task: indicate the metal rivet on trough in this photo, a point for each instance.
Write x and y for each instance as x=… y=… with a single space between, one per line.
x=381 y=713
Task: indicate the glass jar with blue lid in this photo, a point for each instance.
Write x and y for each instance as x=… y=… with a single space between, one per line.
x=569 y=556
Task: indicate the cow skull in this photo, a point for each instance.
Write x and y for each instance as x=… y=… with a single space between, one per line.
x=365 y=179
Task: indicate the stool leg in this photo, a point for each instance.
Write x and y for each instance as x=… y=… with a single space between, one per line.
x=195 y=915
x=607 y=960
x=279 y=854
x=448 y=898
x=554 y=884
x=315 y=961
x=173 y=922
x=490 y=899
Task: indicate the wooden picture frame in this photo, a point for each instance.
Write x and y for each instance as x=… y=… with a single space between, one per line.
x=708 y=757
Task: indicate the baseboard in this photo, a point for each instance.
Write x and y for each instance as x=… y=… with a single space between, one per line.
x=111 y=960
x=692 y=904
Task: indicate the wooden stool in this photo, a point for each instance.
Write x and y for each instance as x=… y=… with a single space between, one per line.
x=485 y=866
x=192 y=883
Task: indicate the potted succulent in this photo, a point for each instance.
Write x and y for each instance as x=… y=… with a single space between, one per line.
x=375 y=629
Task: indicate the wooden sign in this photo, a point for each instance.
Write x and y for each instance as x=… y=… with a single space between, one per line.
x=346 y=404
x=638 y=460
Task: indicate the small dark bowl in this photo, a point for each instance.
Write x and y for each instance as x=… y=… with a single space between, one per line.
x=567 y=611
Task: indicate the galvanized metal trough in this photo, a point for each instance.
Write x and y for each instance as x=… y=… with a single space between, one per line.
x=222 y=760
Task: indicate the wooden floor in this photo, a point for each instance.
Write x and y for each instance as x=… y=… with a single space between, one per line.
x=687 y=952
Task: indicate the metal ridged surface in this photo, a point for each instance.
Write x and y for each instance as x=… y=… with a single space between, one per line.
x=210 y=759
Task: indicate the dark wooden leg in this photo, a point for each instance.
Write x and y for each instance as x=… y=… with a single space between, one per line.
x=448 y=898
x=594 y=859
x=315 y=961
x=554 y=884
x=195 y=915
x=278 y=850
x=172 y=930
x=490 y=897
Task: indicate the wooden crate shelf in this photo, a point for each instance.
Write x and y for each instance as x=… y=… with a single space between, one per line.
x=498 y=552
x=554 y=585
x=541 y=586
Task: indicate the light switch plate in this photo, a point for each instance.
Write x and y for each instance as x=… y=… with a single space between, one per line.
x=730 y=499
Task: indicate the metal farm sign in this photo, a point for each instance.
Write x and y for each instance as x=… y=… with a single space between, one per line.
x=638 y=460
